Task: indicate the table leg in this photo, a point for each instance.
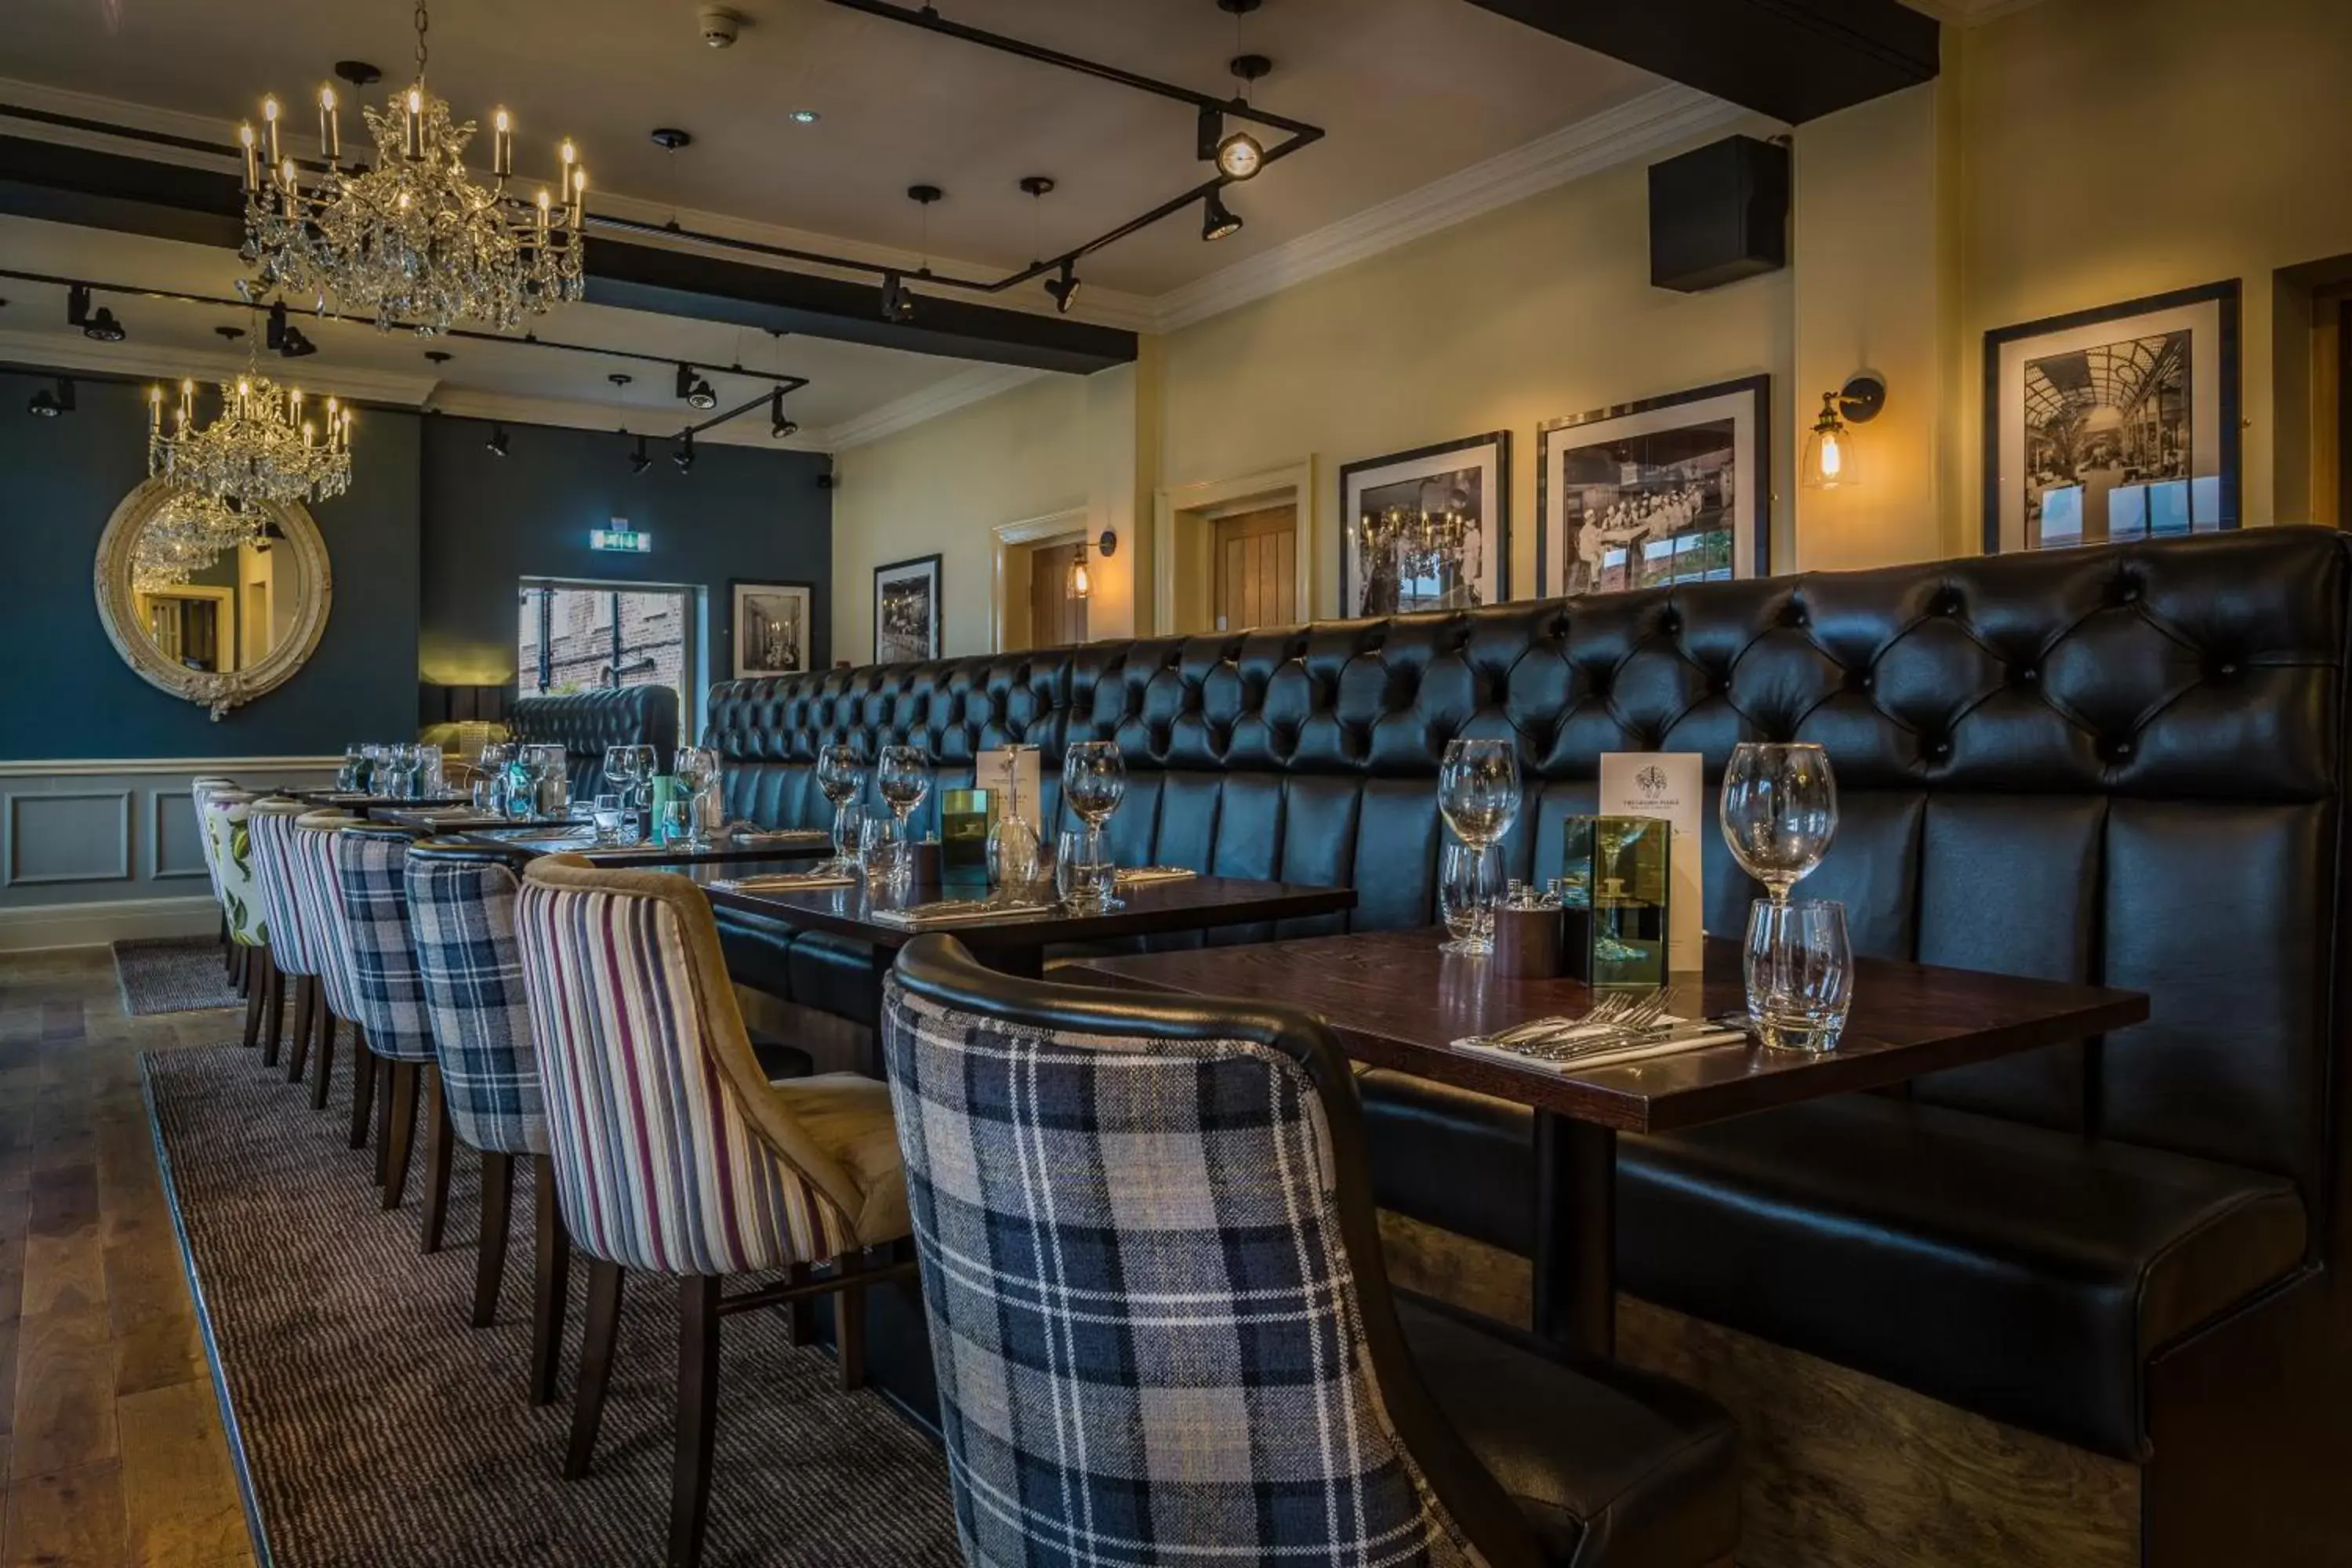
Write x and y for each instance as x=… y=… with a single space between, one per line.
x=1576 y=1233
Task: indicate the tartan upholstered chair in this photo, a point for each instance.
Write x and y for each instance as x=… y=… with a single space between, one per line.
x=270 y=825
x=368 y=860
x=318 y=902
x=673 y=1152
x=1164 y=1334
x=223 y=813
x=461 y=906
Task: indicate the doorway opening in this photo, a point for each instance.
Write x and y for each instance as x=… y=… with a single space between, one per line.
x=1235 y=553
x=1035 y=601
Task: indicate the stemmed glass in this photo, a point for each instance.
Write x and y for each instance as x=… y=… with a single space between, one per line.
x=1779 y=812
x=631 y=768
x=548 y=765
x=842 y=777
x=1094 y=781
x=902 y=776
x=696 y=767
x=1478 y=795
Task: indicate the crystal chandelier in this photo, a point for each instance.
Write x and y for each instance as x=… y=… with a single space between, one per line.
x=415 y=239
x=264 y=445
x=1423 y=543
x=186 y=534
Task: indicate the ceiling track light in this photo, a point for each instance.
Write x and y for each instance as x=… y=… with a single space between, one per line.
x=898 y=299
x=497 y=444
x=780 y=426
x=1237 y=154
x=1217 y=220
x=640 y=460
x=1062 y=291
x=1065 y=289
x=285 y=337
x=684 y=455
x=48 y=405
x=98 y=325
x=695 y=390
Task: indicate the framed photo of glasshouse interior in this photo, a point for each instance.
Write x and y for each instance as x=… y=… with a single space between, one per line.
x=907 y=611
x=768 y=626
x=2114 y=424
x=1669 y=490
x=1427 y=530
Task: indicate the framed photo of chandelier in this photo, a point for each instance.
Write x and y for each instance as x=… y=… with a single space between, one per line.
x=1669 y=490
x=907 y=611
x=1427 y=530
x=770 y=627
x=2113 y=424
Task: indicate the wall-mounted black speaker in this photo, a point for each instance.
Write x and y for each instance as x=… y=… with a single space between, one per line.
x=1719 y=214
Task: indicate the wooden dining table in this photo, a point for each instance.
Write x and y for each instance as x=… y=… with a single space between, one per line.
x=1393 y=1000
x=789 y=850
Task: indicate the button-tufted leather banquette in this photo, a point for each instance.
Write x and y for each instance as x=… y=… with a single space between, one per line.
x=2123 y=765
x=584 y=723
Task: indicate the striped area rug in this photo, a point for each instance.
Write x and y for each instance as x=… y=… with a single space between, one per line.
x=172 y=974
x=373 y=1427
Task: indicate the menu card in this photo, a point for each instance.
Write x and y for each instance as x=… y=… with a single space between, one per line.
x=1009 y=769
x=1672 y=785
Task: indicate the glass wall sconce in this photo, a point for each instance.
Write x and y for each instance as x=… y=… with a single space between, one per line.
x=1831 y=461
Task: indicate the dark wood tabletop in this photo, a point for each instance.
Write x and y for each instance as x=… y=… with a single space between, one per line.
x=360 y=804
x=448 y=819
x=789 y=854
x=1193 y=903
x=1395 y=1001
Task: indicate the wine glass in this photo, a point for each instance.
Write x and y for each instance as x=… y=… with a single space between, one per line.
x=551 y=780
x=1094 y=781
x=842 y=777
x=902 y=776
x=1015 y=850
x=696 y=767
x=1779 y=812
x=1478 y=795
x=632 y=769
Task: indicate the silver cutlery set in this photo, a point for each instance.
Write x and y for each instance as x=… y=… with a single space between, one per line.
x=1618 y=1021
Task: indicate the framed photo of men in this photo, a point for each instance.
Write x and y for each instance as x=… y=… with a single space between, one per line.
x=1669 y=490
x=907 y=611
x=2114 y=424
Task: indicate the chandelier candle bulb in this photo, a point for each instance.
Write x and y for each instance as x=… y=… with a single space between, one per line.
x=269 y=118
x=330 y=126
x=412 y=141
x=252 y=157
x=502 y=144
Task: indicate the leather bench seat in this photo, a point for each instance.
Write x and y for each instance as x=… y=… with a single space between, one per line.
x=2018 y=1272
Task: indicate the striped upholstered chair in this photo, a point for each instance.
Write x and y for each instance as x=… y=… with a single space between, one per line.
x=234 y=955
x=673 y=1153
x=269 y=824
x=461 y=906
x=369 y=861
x=223 y=814
x=319 y=903
x=1164 y=1334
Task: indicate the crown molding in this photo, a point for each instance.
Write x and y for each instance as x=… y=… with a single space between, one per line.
x=1658 y=119
x=70 y=351
x=961 y=390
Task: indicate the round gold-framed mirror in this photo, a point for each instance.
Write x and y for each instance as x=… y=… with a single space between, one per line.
x=218 y=624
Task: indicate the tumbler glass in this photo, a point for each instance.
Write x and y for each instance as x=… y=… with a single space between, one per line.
x=1800 y=973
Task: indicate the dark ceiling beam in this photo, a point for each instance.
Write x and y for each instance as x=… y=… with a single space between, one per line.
x=129 y=195
x=1792 y=59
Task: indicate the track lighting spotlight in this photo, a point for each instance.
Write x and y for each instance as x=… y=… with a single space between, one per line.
x=1240 y=156
x=696 y=390
x=780 y=426
x=498 y=441
x=99 y=324
x=898 y=299
x=684 y=455
x=48 y=405
x=1217 y=221
x=640 y=460
x=284 y=337
x=1065 y=289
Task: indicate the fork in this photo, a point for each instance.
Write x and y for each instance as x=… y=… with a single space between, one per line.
x=1613 y=1017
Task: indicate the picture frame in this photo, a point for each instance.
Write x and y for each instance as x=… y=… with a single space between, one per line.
x=1469 y=477
x=771 y=627
x=2066 y=463
x=1675 y=489
x=907 y=610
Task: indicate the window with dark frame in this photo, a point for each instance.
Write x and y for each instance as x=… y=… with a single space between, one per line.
x=579 y=636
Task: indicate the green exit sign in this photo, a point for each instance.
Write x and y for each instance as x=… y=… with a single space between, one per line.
x=626 y=538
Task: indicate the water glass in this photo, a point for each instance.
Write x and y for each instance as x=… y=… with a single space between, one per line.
x=885 y=854
x=1093 y=780
x=1084 y=876
x=607 y=815
x=1478 y=789
x=698 y=769
x=841 y=776
x=677 y=822
x=1779 y=812
x=486 y=793
x=1800 y=973
x=1467 y=880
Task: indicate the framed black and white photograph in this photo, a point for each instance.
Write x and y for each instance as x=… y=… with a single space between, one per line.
x=1427 y=530
x=2118 y=423
x=907 y=610
x=1669 y=490
x=771 y=627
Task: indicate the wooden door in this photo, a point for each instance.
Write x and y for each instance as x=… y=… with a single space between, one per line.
x=1256 y=561
x=1057 y=616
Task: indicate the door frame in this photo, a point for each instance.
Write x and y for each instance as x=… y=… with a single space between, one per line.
x=1184 y=594
x=1014 y=543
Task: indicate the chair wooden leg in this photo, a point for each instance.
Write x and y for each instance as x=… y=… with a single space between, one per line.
x=438 y=1143
x=397 y=1137
x=256 y=997
x=240 y=974
x=550 y=1284
x=849 y=1326
x=387 y=1083
x=229 y=947
x=362 y=1088
x=595 y=1364
x=697 y=1415
x=306 y=991
x=307 y=1008
x=490 y=1262
x=322 y=1076
x=800 y=1317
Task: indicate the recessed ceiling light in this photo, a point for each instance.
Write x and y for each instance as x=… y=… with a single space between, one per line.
x=804 y=117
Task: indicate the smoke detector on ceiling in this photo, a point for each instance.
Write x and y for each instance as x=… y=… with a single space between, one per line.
x=720 y=26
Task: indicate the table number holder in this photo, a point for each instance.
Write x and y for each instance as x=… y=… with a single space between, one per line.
x=1617 y=887
x=966 y=816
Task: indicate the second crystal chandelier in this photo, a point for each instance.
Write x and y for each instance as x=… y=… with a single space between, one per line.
x=415 y=240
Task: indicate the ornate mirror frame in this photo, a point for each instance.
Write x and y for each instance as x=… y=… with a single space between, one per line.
x=118 y=609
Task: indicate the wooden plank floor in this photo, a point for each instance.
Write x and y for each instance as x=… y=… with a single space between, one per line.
x=110 y=1440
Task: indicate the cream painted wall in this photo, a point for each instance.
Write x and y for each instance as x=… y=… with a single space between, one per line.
x=1530 y=312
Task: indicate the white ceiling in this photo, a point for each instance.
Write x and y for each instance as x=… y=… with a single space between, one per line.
x=1413 y=92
